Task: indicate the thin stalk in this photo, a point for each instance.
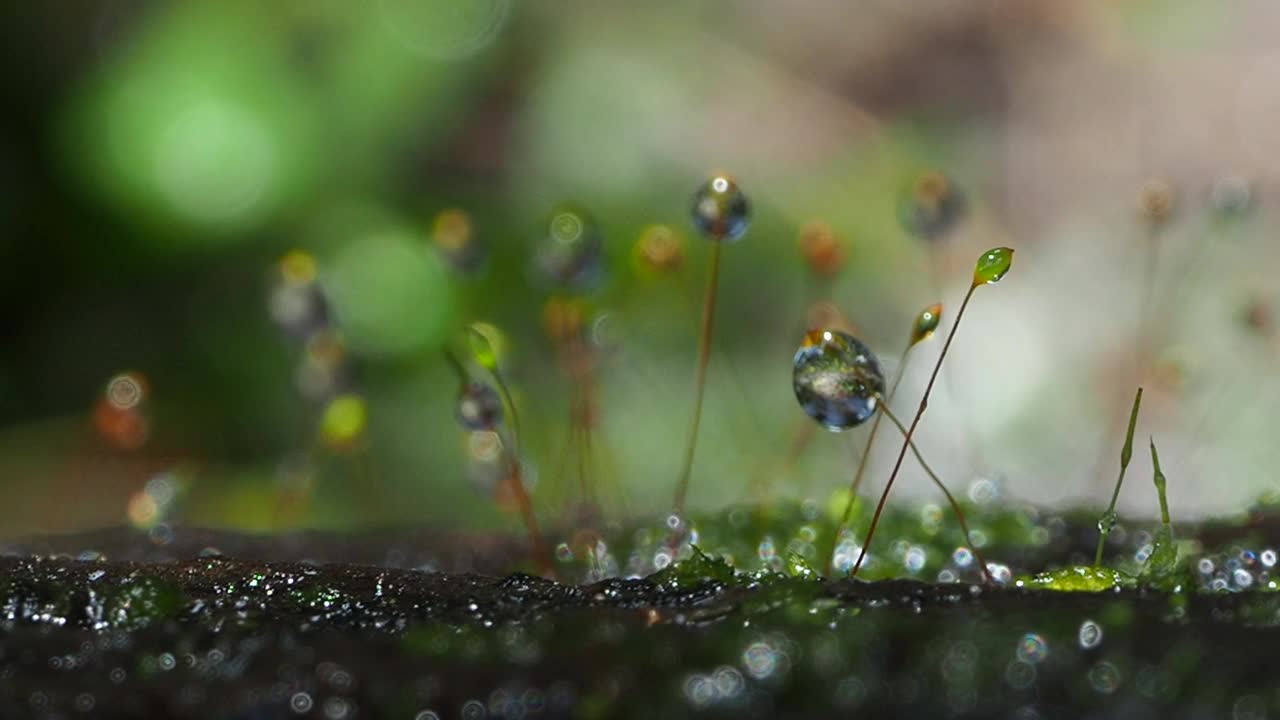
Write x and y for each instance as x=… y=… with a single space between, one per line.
x=1126 y=452
x=871 y=437
x=516 y=479
x=955 y=506
x=700 y=381
x=924 y=403
x=862 y=461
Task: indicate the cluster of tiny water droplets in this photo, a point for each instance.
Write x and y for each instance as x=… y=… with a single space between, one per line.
x=1238 y=569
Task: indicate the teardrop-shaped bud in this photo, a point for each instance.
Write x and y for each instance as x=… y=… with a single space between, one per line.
x=992 y=266
x=926 y=322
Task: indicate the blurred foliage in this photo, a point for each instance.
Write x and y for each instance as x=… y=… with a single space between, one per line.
x=158 y=159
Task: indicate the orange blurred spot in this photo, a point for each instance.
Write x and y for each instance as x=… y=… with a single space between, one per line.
x=562 y=318
x=821 y=248
x=142 y=510
x=125 y=429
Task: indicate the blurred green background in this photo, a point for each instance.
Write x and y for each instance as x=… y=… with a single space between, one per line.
x=159 y=159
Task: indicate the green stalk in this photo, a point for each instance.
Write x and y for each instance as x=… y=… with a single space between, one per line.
x=1108 y=518
x=924 y=403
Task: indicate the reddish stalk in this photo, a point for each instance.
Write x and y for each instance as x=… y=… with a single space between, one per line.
x=924 y=403
x=700 y=381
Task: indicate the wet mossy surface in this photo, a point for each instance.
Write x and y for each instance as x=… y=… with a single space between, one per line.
x=170 y=633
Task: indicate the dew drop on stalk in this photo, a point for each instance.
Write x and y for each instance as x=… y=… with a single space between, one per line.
x=479 y=407
x=571 y=251
x=837 y=380
x=931 y=205
x=721 y=210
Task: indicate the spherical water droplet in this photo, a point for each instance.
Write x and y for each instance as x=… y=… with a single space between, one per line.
x=914 y=559
x=720 y=210
x=1090 y=634
x=1242 y=578
x=962 y=557
x=931 y=205
x=1032 y=648
x=837 y=379
x=479 y=407
x=1268 y=557
x=571 y=253
x=1104 y=677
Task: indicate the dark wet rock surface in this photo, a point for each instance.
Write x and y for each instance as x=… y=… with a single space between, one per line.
x=229 y=638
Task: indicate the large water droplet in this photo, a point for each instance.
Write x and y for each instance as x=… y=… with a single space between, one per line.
x=837 y=379
x=720 y=210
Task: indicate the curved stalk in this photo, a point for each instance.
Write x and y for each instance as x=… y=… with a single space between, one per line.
x=924 y=403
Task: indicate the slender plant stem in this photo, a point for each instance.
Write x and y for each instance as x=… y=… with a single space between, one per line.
x=871 y=437
x=700 y=381
x=1126 y=452
x=516 y=479
x=862 y=461
x=955 y=506
x=924 y=403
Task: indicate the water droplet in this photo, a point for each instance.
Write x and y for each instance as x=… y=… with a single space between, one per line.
x=720 y=210
x=1032 y=648
x=836 y=379
x=914 y=559
x=1090 y=634
x=571 y=252
x=479 y=407
x=926 y=323
x=931 y=205
x=1104 y=677
x=1107 y=522
x=760 y=659
x=1268 y=557
x=992 y=266
x=1242 y=578
x=962 y=557
x=300 y=703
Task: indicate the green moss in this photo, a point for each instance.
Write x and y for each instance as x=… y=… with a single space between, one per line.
x=1078 y=578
